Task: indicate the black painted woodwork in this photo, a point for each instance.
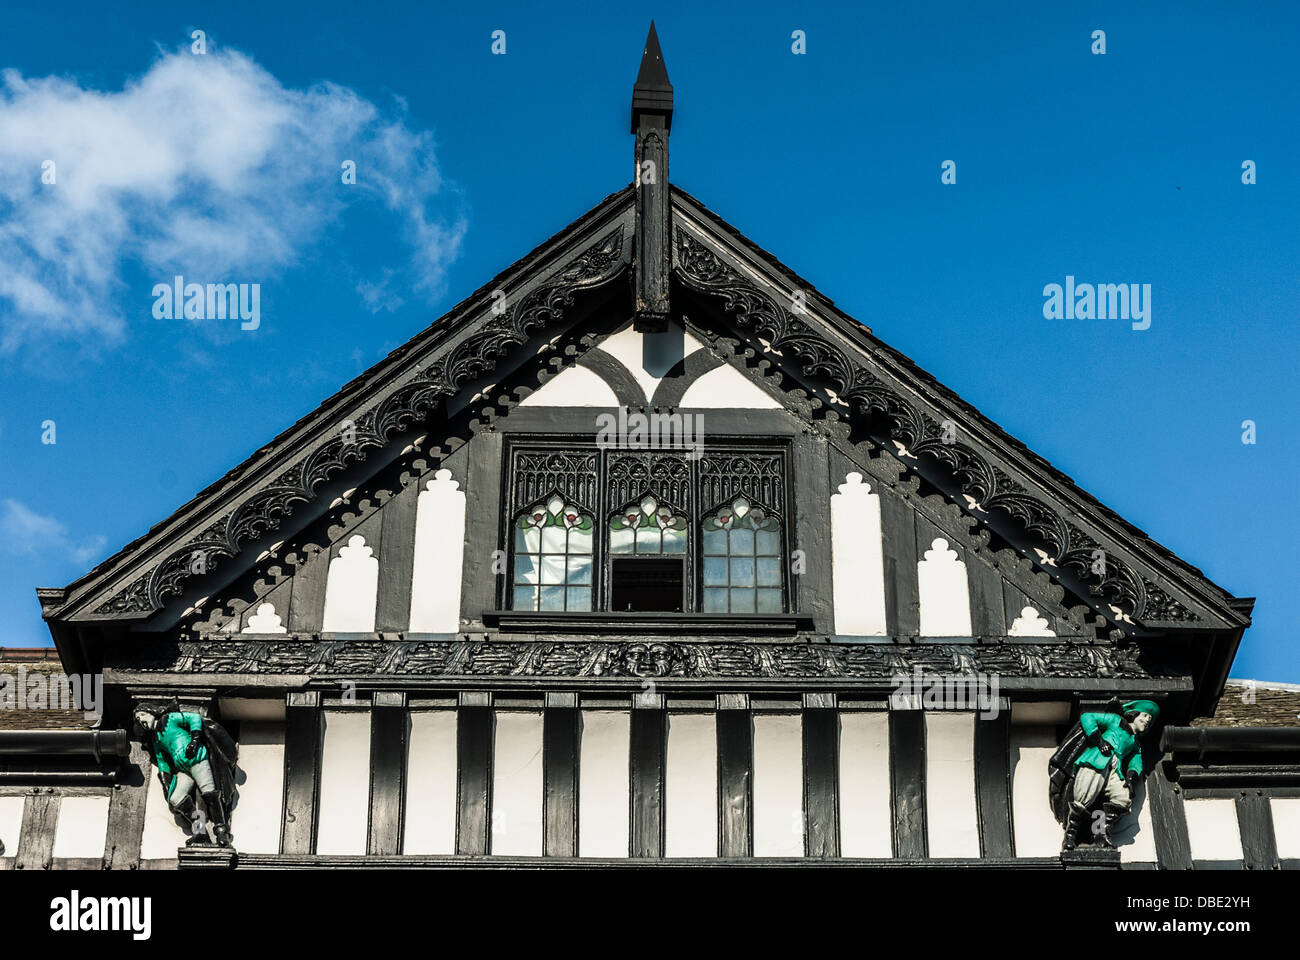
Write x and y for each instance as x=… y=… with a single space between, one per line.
x=561 y=732
x=649 y=751
x=652 y=114
x=993 y=783
x=821 y=736
x=1258 y=838
x=389 y=727
x=735 y=783
x=1168 y=821
x=303 y=739
x=907 y=776
x=474 y=778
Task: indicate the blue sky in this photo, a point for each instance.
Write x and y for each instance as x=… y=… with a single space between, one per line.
x=1124 y=167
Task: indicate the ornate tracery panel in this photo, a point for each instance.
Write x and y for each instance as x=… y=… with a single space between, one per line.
x=722 y=515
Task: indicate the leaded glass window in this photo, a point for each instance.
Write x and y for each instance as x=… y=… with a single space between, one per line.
x=741 y=545
x=647 y=527
x=552 y=567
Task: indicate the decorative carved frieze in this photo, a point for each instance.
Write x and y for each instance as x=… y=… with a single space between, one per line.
x=263 y=507
x=1111 y=580
x=355 y=659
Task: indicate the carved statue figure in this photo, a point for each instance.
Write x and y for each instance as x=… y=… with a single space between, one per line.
x=1097 y=769
x=192 y=752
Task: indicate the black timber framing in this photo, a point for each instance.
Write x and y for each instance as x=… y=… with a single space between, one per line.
x=1168 y=821
x=735 y=776
x=561 y=733
x=126 y=811
x=821 y=738
x=473 y=773
x=993 y=782
x=649 y=742
x=36 y=838
x=397 y=534
x=389 y=726
x=1258 y=837
x=907 y=781
x=303 y=738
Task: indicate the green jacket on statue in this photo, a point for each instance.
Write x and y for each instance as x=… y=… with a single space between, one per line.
x=1111 y=730
x=173 y=739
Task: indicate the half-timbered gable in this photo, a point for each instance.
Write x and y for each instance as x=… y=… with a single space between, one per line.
x=646 y=550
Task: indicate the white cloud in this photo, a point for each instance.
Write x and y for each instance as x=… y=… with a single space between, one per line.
x=204 y=165
x=27 y=532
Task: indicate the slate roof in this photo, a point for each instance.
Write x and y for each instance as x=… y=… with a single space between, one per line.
x=1274 y=705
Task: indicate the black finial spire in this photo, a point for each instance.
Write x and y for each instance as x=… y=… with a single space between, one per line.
x=652 y=116
x=653 y=93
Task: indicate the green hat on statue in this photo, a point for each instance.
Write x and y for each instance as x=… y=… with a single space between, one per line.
x=1142 y=706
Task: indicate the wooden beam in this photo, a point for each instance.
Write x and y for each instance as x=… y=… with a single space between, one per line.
x=474 y=766
x=907 y=779
x=388 y=738
x=735 y=776
x=303 y=738
x=560 y=732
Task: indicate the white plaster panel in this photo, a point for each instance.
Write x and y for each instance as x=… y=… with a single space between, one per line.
x=952 y=820
x=726 y=388
x=82 y=826
x=866 y=818
x=351 y=589
x=1212 y=828
x=1286 y=826
x=574 y=387
x=11 y=824
x=778 y=785
x=431 y=783
x=1037 y=834
x=343 y=821
x=439 y=556
x=857 y=564
x=944 y=592
x=517 y=783
x=691 y=787
x=256 y=819
x=604 y=789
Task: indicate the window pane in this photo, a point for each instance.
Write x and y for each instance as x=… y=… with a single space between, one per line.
x=579 y=598
x=742 y=572
x=580 y=541
x=768 y=543
x=620 y=541
x=525 y=598
x=554 y=539
x=742 y=541
x=552 y=598
x=715 y=543
x=715 y=572
x=769 y=601
x=674 y=541
x=647 y=541
x=580 y=569
x=552 y=569
x=769 y=572
x=525 y=569
x=527 y=541
x=715 y=601
x=742 y=601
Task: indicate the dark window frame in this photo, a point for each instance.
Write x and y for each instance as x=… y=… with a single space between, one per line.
x=603 y=508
